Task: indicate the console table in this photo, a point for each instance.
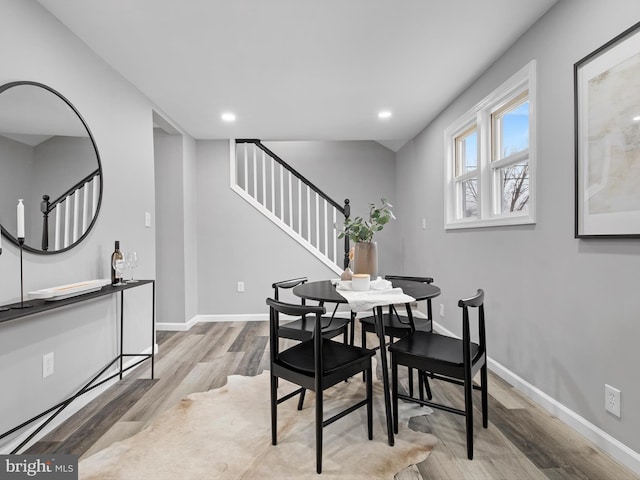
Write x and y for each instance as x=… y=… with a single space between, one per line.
x=42 y=306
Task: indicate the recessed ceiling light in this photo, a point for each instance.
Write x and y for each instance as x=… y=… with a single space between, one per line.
x=636 y=118
x=384 y=114
x=228 y=117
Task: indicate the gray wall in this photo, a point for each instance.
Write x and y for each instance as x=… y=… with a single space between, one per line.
x=17 y=166
x=562 y=313
x=177 y=253
x=169 y=226
x=35 y=46
x=237 y=243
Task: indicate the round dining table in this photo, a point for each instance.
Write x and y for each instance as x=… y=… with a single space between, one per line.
x=324 y=291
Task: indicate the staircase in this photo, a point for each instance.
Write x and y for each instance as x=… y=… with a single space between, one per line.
x=73 y=212
x=290 y=201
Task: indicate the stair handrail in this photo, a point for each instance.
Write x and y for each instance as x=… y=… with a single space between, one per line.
x=46 y=207
x=345 y=209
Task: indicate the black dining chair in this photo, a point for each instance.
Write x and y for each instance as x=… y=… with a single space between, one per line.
x=455 y=360
x=302 y=328
x=315 y=364
x=397 y=326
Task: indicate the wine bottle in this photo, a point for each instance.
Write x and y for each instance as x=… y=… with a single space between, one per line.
x=116 y=255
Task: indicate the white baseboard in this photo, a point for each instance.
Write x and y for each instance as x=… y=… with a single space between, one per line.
x=73 y=408
x=229 y=317
x=616 y=449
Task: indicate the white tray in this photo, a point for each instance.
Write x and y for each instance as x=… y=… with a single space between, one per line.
x=70 y=290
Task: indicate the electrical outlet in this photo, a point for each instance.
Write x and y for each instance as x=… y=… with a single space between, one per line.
x=147 y=219
x=612 y=400
x=47 y=365
x=240 y=287
x=442 y=310
x=424 y=223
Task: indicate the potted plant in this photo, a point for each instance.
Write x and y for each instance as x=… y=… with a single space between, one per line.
x=361 y=231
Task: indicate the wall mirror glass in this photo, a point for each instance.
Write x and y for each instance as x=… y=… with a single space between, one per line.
x=49 y=159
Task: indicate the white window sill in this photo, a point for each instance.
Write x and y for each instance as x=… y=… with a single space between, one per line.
x=491 y=222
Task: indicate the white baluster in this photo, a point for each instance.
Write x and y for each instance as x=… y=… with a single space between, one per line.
x=334 y=236
x=246 y=172
x=94 y=190
x=56 y=238
x=326 y=230
x=281 y=192
x=85 y=206
x=255 y=171
x=317 y=221
x=273 y=186
x=308 y=214
x=300 y=207
x=76 y=211
x=290 y=202
x=67 y=215
x=264 y=179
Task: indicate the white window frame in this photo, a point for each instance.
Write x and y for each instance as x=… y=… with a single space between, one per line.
x=489 y=198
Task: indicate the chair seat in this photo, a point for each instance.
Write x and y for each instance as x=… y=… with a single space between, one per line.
x=439 y=348
x=302 y=328
x=335 y=356
x=396 y=325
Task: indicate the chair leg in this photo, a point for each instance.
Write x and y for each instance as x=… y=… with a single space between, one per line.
x=301 y=399
x=363 y=342
x=319 y=419
x=425 y=380
x=410 y=372
x=369 y=375
x=274 y=410
x=485 y=403
x=468 y=408
x=352 y=327
x=394 y=391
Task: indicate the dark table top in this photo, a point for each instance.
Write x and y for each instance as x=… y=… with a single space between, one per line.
x=325 y=291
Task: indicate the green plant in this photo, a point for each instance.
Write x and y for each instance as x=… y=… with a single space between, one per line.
x=361 y=230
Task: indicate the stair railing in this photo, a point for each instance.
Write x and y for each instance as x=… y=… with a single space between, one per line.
x=71 y=217
x=292 y=201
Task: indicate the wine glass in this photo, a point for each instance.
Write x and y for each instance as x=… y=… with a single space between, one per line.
x=119 y=264
x=132 y=262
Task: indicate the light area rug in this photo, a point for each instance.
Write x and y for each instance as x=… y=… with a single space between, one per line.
x=226 y=434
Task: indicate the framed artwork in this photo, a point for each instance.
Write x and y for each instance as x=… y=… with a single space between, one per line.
x=607 y=139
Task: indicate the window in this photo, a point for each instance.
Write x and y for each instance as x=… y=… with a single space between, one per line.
x=490 y=158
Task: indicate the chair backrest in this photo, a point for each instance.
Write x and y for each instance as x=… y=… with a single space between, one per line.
x=287 y=284
x=477 y=301
x=277 y=307
x=428 y=280
x=411 y=279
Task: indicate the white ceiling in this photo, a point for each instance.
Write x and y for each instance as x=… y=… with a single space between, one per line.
x=300 y=69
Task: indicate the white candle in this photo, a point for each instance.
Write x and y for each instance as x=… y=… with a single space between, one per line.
x=20 y=214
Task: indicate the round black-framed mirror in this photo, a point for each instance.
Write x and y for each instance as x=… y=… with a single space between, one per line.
x=50 y=160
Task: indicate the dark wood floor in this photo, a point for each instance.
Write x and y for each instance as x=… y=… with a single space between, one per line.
x=522 y=442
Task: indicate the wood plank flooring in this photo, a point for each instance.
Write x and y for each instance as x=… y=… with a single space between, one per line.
x=522 y=442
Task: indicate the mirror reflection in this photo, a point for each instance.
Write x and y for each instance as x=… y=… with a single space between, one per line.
x=49 y=159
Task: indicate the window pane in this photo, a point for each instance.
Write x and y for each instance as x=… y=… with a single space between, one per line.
x=469 y=198
x=511 y=129
x=467 y=152
x=514 y=180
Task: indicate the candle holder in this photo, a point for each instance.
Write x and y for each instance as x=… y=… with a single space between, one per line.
x=22 y=304
x=2 y=309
